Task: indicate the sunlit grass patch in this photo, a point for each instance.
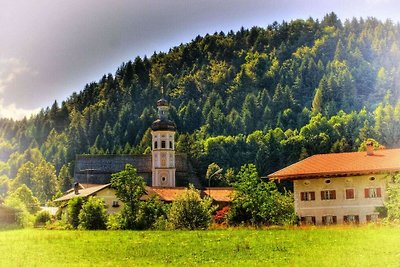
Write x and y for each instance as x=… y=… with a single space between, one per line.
x=322 y=246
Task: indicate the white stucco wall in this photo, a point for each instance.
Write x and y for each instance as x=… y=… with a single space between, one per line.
x=340 y=206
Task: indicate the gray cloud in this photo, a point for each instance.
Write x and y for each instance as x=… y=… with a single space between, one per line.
x=48 y=49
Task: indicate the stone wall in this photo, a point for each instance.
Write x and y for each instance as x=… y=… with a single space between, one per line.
x=97 y=169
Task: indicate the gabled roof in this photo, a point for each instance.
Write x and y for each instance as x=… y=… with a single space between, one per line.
x=220 y=194
x=170 y=194
x=341 y=164
x=86 y=192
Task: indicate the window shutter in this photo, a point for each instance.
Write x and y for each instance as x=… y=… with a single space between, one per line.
x=302 y=196
x=366 y=193
x=333 y=192
x=378 y=192
x=322 y=195
x=312 y=195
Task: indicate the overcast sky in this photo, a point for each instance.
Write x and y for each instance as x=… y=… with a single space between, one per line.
x=51 y=48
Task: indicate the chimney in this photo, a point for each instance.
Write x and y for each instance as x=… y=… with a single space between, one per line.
x=76 y=188
x=370 y=148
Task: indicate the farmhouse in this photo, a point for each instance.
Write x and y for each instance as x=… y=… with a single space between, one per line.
x=219 y=195
x=341 y=187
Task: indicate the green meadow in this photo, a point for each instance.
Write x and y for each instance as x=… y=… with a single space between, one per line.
x=313 y=246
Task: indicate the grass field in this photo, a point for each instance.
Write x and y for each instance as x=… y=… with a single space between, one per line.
x=336 y=246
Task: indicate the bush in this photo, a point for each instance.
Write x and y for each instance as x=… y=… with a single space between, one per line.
x=221 y=215
x=259 y=203
x=189 y=211
x=113 y=222
x=74 y=208
x=23 y=217
x=393 y=199
x=42 y=218
x=149 y=212
x=93 y=215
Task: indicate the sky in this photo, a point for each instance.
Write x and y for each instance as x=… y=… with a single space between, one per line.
x=52 y=48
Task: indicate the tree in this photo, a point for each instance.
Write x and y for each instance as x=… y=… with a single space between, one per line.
x=25 y=175
x=393 y=199
x=213 y=171
x=74 y=208
x=93 y=215
x=65 y=178
x=130 y=188
x=26 y=197
x=259 y=203
x=189 y=211
x=46 y=183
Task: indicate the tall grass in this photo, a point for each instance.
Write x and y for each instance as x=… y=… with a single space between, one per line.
x=334 y=246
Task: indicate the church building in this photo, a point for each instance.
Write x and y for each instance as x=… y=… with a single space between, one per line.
x=165 y=172
x=162 y=168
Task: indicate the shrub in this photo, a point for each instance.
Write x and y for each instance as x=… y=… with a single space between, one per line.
x=113 y=222
x=189 y=211
x=259 y=203
x=393 y=199
x=93 y=215
x=221 y=215
x=148 y=213
x=74 y=208
x=23 y=217
x=42 y=218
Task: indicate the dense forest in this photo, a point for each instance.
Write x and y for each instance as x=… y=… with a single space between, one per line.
x=268 y=96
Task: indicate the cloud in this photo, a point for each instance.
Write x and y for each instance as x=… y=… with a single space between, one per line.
x=12 y=70
x=11 y=111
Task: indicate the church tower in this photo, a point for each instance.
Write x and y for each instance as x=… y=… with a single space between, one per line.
x=163 y=147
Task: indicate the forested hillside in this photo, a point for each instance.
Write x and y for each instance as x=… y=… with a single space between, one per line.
x=268 y=96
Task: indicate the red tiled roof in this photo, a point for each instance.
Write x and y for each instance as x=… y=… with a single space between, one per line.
x=169 y=194
x=341 y=164
x=83 y=192
x=219 y=194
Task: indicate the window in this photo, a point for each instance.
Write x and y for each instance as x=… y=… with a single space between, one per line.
x=372 y=192
x=328 y=181
x=307 y=196
x=350 y=193
x=308 y=220
x=351 y=219
x=170 y=144
x=162 y=144
x=328 y=194
x=372 y=217
x=155 y=144
x=115 y=204
x=329 y=219
x=372 y=179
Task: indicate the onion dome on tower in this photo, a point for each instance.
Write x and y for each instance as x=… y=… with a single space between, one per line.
x=163 y=123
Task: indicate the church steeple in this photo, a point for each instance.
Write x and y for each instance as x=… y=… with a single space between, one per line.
x=163 y=147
